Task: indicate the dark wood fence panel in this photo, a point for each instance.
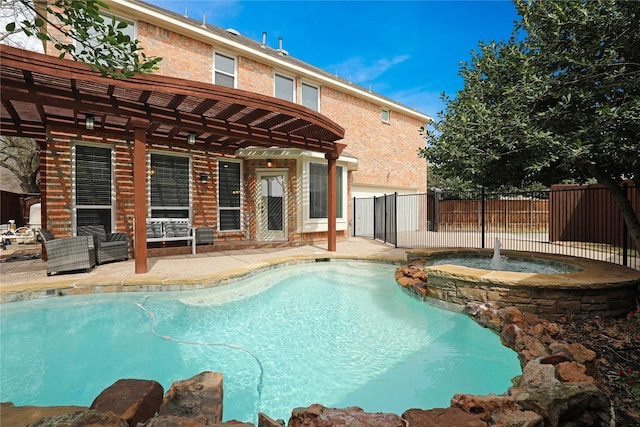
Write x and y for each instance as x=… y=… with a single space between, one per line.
x=588 y=213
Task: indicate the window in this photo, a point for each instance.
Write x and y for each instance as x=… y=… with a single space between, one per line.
x=284 y=88
x=93 y=174
x=384 y=115
x=225 y=70
x=129 y=30
x=318 y=191
x=310 y=96
x=229 y=200
x=170 y=186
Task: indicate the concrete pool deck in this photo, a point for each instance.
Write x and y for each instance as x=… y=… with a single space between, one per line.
x=25 y=278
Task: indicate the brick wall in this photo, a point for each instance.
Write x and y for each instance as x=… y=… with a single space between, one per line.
x=387 y=152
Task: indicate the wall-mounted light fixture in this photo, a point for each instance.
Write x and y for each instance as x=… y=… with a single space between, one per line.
x=191 y=138
x=269 y=163
x=88 y=121
x=204 y=177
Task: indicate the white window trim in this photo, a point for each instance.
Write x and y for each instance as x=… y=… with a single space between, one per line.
x=388 y=115
x=302 y=84
x=293 y=86
x=308 y=224
x=242 y=225
x=169 y=153
x=74 y=207
x=235 y=67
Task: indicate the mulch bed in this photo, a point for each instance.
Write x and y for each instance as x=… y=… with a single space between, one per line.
x=617 y=344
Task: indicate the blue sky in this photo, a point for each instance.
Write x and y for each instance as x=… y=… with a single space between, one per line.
x=409 y=51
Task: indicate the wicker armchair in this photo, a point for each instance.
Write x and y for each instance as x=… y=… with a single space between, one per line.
x=109 y=247
x=68 y=254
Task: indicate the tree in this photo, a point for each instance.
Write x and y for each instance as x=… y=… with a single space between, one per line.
x=559 y=100
x=79 y=29
x=20 y=156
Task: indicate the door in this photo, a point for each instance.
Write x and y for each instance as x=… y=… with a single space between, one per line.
x=272 y=207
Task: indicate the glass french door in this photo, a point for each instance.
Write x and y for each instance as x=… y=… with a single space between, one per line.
x=272 y=207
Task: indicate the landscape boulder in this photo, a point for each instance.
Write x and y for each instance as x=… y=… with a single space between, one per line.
x=320 y=416
x=200 y=395
x=133 y=400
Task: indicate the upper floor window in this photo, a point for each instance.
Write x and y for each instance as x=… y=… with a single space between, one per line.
x=93 y=185
x=224 y=70
x=129 y=30
x=284 y=87
x=310 y=96
x=384 y=115
x=170 y=186
x=229 y=196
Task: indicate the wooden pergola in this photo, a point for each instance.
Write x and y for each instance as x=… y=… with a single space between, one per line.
x=39 y=92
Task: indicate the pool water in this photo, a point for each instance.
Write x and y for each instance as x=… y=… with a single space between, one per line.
x=540 y=266
x=336 y=333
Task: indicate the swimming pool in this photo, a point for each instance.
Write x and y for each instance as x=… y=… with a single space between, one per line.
x=336 y=333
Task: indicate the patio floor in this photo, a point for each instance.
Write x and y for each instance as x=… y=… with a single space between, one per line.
x=19 y=274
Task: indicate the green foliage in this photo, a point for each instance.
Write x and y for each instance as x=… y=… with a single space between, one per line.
x=559 y=100
x=21 y=158
x=86 y=36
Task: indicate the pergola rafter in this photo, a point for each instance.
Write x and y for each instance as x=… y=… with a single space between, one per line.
x=41 y=91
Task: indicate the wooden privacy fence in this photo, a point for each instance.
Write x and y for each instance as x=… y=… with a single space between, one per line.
x=588 y=213
x=499 y=214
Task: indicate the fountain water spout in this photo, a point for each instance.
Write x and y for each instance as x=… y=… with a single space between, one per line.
x=497 y=262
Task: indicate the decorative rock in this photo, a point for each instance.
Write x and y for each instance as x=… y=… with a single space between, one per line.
x=173 y=421
x=484 y=407
x=485 y=314
x=536 y=375
x=576 y=404
x=199 y=421
x=87 y=418
x=573 y=372
x=579 y=353
x=511 y=315
x=413 y=277
x=554 y=359
x=529 y=347
x=11 y=415
x=320 y=416
x=199 y=395
x=132 y=400
x=442 y=417
x=518 y=419
x=266 y=421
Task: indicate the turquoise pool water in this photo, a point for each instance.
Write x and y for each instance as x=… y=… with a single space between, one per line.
x=336 y=333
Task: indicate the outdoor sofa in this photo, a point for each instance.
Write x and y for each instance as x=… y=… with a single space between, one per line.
x=69 y=253
x=109 y=247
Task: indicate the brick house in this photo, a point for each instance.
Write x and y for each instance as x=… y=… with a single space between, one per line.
x=259 y=193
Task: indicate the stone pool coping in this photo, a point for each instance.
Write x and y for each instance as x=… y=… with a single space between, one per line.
x=599 y=289
x=70 y=285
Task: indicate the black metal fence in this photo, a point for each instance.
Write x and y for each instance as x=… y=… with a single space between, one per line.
x=581 y=221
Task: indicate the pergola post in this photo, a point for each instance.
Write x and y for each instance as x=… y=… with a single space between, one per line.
x=140 y=194
x=331 y=202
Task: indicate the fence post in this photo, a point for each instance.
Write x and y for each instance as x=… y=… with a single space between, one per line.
x=395 y=219
x=625 y=237
x=374 y=219
x=482 y=200
x=353 y=221
x=436 y=209
x=384 y=219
